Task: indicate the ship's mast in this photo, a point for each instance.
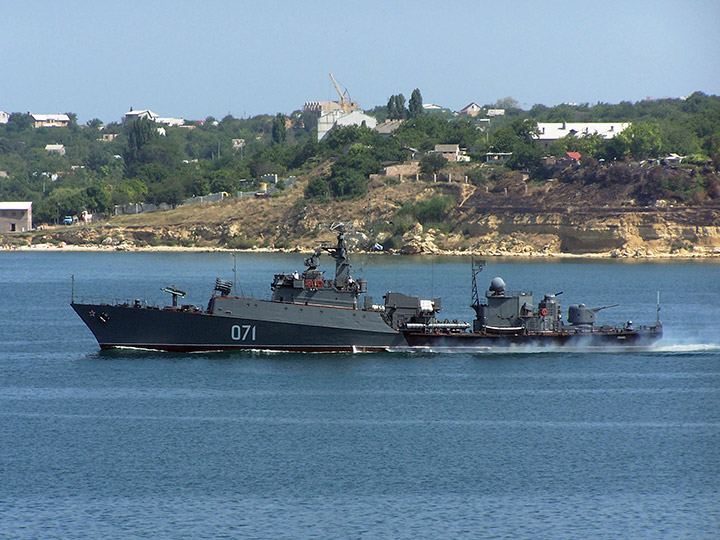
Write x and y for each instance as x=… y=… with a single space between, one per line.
x=477 y=267
x=339 y=253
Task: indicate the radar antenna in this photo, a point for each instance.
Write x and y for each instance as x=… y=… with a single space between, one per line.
x=175 y=292
x=338 y=228
x=477 y=267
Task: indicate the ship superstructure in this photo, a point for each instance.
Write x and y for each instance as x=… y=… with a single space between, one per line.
x=310 y=311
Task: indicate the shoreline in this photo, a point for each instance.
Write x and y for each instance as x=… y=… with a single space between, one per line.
x=637 y=255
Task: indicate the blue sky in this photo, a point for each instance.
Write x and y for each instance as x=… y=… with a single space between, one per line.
x=196 y=59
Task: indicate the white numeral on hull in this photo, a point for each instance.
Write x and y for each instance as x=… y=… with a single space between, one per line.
x=245 y=332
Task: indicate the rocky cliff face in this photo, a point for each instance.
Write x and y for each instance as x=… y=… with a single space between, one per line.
x=527 y=223
x=651 y=232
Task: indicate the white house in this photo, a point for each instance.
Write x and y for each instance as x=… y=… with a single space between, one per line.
x=15 y=216
x=472 y=109
x=451 y=152
x=548 y=132
x=357 y=118
x=336 y=118
x=4 y=117
x=170 y=122
x=50 y=120
x=145 y=113
x=55 y=149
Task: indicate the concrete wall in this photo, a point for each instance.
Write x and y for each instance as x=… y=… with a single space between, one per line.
x=121 y=209
x=212 y=197
x=405 y=169
x=21 y=219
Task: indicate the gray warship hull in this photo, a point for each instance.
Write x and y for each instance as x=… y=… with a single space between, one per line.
x=639 y=337
x=262 y=325
x=266 y=327
x=309 y=312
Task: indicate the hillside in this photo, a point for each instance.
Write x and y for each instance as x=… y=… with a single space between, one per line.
x=505 y=216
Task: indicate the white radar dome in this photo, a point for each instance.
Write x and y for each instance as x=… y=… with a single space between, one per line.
x=497 y=285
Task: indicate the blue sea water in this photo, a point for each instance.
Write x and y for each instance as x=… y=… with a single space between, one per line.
x=519 y=444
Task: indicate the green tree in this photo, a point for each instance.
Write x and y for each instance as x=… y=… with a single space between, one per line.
x=317 y=189
x=508 y=102
x=415 y=105
x=139 y=133
x=396 y=107
x=349 y=184
x=641 y=140
x=435 y=209
x=518 y=138
x=170 y=191
x=73 y=125
x=279 y=130
x=18 y=122
x=97 y=159
x=69 y=201
x=432 y=163
x=98 y=197
x=95 y=123
x=129 y=191
x=589 y=145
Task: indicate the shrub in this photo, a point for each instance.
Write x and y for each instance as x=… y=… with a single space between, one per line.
x=435 y=209
x=318 y=189
x=432 y=164
x=239 y=242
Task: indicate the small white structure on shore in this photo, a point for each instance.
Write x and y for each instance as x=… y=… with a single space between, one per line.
x=15 y=216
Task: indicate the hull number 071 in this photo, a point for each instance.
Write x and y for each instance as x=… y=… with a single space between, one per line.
x=245 y=332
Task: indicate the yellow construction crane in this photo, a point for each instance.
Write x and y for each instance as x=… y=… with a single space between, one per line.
x=345 y=103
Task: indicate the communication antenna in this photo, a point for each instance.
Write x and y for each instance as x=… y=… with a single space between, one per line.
x=234 y=275
x=657 y=310
x=235 y=281
x=432 y=276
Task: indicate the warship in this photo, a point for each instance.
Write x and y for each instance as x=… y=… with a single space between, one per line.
x=313 y=313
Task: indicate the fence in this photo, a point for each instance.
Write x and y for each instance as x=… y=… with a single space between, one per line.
x=137 y=208
x=212 y=197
